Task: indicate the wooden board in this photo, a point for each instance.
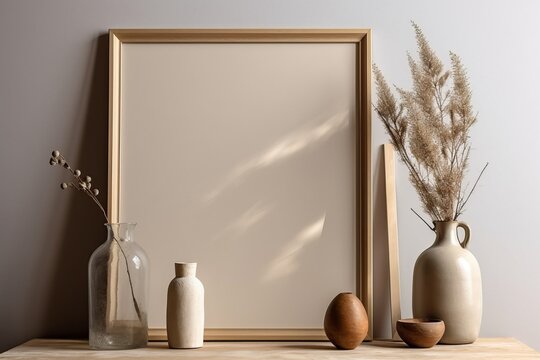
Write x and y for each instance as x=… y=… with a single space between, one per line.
x=393 y=247
x=493 y=349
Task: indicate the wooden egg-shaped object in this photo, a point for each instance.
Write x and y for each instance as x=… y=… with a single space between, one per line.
x=346 y=321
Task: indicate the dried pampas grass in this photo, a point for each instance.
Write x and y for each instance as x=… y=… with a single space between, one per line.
x=429 y=127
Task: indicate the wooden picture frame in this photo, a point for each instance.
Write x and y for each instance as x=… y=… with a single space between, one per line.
x=360 y=39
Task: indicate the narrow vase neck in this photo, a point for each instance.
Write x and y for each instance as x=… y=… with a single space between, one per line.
x=120 y=231
x=185 y=269
x=446 y=233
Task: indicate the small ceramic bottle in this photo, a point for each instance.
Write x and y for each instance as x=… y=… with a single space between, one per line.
x=185 y=308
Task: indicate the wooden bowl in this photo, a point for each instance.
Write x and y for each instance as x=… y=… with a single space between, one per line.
x=420 y=333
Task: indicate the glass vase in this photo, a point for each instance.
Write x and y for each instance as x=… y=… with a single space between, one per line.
x=118 y=280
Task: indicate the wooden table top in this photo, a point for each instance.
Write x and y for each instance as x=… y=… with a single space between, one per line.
x=493 y=349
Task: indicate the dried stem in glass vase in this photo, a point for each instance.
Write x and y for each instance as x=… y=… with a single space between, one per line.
x=84 y=184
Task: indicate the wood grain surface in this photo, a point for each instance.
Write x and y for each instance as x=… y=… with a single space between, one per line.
x=501 y=348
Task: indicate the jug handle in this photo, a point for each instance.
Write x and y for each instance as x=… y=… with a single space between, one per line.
x=467 y=230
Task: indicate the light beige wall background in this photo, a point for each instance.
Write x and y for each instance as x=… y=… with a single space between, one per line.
x=53 y=93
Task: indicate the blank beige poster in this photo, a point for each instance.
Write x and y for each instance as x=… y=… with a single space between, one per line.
x=241 y=157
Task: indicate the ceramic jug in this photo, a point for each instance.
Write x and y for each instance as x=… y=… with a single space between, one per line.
x=447 y=285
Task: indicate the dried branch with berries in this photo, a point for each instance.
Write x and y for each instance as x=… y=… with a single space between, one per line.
x=84 y=184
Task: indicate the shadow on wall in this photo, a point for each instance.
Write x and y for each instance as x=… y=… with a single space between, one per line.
x=381 y=290
x=67 y=310
x=281 y=150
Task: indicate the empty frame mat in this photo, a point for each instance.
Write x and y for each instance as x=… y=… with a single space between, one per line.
x=242 y=157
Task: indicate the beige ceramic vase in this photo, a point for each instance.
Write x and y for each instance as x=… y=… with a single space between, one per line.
x=447 y=285
x=185 y=308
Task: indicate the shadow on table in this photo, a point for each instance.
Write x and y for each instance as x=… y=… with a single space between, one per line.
x=386 y=344
x=378 y=343
x=309 y=346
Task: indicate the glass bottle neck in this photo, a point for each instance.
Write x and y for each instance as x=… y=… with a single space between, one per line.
x=120 y=231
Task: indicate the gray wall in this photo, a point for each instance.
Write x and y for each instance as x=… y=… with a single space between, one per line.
x=53 y=94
